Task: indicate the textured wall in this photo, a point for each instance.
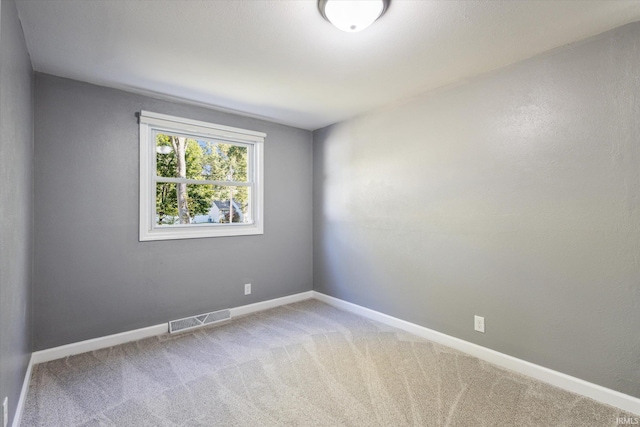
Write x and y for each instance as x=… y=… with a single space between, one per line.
x=16 y=204
x=92 y=275
x=515 y=196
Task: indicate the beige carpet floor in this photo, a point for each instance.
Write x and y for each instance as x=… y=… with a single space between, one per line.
x=304 y=364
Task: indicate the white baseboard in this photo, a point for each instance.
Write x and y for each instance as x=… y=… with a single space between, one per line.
x=558 y=379
x=17 y=419
x=272 y=303
x=97 y=343
x=151 y=331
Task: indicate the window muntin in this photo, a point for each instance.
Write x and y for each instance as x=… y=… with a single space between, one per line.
x=198 y=179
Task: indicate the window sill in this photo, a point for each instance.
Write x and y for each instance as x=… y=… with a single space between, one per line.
x=200 y=231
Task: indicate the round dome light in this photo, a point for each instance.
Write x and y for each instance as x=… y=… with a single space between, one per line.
x=352 y=15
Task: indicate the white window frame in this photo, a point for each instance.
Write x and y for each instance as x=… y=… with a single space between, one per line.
x=153 y=122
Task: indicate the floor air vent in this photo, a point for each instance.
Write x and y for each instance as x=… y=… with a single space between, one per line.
x=198 y=321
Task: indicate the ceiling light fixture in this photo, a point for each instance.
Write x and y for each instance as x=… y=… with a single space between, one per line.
x=352 y=15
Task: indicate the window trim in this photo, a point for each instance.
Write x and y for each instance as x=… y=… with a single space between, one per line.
x=151 y=122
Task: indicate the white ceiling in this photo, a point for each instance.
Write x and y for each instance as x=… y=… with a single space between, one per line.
x=279 y=60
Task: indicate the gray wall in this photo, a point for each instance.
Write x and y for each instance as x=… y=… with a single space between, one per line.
x=16 y=204
x=515 y=196
x=92 y=276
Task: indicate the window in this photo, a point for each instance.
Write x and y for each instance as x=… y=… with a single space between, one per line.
x=198 y=179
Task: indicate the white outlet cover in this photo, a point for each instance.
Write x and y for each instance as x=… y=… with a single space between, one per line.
x=247 y=288
x=478 y=323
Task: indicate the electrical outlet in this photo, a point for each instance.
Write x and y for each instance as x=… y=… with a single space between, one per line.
x=478 y=323
x=5 y=411
x=247 y=288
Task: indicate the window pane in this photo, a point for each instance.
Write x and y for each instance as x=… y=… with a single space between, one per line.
x=166 y=204
x=201 y=159
x=166 y=162
x=232 y=202
x=201 y=204
x=232 y=162
x=224 y=162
